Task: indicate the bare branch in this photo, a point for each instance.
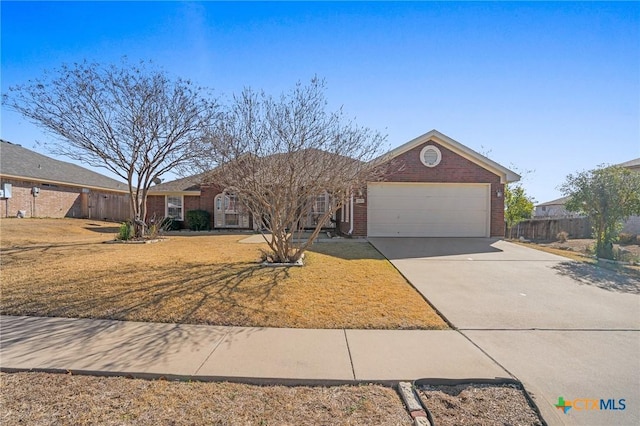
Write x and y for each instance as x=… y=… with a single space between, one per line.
x=278 y=154
x=130 y=119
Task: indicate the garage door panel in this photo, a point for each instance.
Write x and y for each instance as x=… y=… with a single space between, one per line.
x=431 y=216
x=428 y=210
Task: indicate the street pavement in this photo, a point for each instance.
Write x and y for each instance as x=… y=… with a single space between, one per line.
x=561 y=327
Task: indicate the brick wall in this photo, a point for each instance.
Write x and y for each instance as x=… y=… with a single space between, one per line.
x=407 y=167
x=56 y=201
x=207 y=197
x=206 y=201
x=155 y=207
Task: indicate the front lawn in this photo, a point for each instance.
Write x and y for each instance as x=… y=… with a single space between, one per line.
x=61 y=268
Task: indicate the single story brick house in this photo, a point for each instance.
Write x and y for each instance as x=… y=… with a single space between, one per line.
x=436 y=187
x=34 y=185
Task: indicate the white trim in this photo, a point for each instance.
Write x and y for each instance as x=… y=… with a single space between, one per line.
x=67 y=184
x=160 y=193
x=434 y=149
x=166 y=206
x=220 y=211
x=506 y=175
x=352 y=222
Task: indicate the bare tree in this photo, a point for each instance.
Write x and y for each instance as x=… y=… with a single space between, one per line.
x=130 y=119
x=278 y=155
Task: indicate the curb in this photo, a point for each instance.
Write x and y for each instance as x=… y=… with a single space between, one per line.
x=419 y=413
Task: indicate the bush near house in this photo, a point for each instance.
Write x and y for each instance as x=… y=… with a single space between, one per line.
x=198 y=220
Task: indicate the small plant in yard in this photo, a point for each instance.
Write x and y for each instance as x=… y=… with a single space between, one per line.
x=198 y=220
x=562 y=236
x=623 y=255
x=125 y=231
x=158 y=226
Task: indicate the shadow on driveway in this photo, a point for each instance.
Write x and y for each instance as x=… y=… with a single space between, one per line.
x=413 y=248
x=593 y=275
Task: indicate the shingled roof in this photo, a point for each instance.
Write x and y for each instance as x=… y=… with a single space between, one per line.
x=186 y=184
x=21 y=163
x=631 y=164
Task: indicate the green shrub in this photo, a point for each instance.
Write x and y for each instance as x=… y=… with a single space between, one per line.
x=125 y=231
x=198 y=220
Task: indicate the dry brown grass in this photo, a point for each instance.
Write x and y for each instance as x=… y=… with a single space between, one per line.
x=51 y=399
x=578 y=250
x=61 y=268
x=477 y=404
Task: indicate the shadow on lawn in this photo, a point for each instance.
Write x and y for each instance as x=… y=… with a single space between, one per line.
x=627 y=281
x=220 y=294
x=347 y=250
x=14 y=253
x=104 y=229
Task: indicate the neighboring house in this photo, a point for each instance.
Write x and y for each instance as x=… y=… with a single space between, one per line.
x=35 y=185
x=555 y=209
x=433 y=187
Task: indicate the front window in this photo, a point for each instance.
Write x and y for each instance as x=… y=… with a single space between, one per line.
x=229 y=212
x=174 y=207
x=320 y=204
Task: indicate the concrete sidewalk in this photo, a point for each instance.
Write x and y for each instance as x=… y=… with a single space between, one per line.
x=251 y=354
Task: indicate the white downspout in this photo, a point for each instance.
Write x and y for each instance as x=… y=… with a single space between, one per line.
x=351 y=218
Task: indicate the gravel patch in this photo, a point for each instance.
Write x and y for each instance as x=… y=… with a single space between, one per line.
x=478 y=405
x=54 y=399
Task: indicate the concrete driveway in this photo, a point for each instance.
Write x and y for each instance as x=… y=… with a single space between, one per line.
x=561 y=327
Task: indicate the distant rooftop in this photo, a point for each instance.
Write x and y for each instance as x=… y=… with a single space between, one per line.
x=631 y=164
x=19 y=162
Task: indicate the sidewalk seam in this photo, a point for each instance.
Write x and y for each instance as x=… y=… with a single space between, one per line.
x=346 y=339
x=211 y=353
x=487 y=354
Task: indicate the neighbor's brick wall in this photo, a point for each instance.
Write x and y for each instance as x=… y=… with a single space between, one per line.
x=58 y=201
x=53 y=201
x=452 y=168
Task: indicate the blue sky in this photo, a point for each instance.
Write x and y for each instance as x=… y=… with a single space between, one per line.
x=549 y=87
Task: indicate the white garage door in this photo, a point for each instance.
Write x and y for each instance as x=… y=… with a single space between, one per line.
x=428 y=210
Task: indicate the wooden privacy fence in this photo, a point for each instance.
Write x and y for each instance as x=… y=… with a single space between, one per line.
x=548 y=229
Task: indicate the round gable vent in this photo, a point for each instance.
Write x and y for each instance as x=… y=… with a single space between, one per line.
x=430 y=156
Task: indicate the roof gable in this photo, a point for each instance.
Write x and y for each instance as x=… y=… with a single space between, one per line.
x=21 y=163
x=506 y=175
